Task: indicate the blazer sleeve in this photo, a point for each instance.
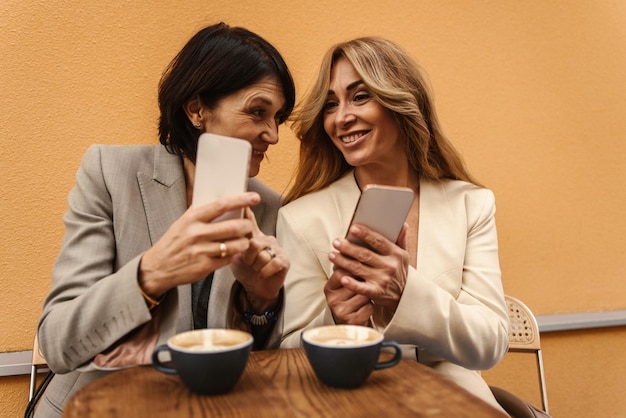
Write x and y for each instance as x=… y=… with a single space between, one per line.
x=305 y=305
x=466 y=324
x=90 y=306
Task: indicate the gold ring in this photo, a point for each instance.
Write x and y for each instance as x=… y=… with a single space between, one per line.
x=271 y=251
x=223 y=250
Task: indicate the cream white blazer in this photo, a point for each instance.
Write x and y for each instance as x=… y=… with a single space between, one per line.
x=452 y=314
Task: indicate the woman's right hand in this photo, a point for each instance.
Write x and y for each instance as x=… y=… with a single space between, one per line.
x=347 y=306
x=191 y=247
x=377 y=272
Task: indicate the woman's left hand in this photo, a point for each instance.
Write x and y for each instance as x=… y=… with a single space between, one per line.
x=382 y=268
x=261 y=269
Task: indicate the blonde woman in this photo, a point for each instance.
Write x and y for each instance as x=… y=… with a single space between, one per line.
x=369 y=119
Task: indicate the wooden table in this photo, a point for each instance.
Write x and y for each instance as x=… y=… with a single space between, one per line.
x=278 y=383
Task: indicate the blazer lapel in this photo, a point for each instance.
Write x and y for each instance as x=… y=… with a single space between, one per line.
x=164 y=196
x=436 y=235
x=163 y=192
x=345 y=196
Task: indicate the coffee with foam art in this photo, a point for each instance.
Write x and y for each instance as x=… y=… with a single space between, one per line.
x=341 y=335
x=217 y=340
x=345 y=355
x=208 y=361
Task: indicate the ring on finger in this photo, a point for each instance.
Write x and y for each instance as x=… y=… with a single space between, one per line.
x=223 y=250
x=271 y=251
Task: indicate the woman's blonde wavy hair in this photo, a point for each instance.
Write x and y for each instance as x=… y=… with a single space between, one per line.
x=398 y=83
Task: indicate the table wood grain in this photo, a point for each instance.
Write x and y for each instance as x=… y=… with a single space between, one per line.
x=278 y=383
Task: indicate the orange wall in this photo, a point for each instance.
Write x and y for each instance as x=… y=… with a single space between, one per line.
x=533 y=93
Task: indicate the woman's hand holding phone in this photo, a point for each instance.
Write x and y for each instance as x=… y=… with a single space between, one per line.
x=369 y=264
x=194 y=246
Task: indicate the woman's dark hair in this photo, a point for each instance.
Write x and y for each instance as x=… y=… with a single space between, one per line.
x=216 y=62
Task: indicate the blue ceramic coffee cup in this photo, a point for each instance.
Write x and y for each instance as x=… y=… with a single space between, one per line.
x=208 y=361
x=343 y=356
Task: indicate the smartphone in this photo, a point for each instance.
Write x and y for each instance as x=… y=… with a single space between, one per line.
x=382 y=209
x=222 y=165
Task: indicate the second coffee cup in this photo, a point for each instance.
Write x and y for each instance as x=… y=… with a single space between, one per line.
x=344 y=356
x=208 y=361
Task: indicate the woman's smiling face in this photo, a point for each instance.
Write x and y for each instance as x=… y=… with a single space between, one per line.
x=365 y=132
x=252 y=114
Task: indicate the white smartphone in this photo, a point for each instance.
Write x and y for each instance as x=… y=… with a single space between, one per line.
x=382 y=209
x=222 y=165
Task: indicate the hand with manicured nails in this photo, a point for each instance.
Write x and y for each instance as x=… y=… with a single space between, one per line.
x=261 y=268
x=377 y=273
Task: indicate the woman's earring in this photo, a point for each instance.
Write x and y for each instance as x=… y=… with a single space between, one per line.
x=197 y=125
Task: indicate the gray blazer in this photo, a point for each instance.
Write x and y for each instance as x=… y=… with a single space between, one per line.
x=124 y=200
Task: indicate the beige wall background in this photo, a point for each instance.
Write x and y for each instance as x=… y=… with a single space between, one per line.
x=533 y=94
